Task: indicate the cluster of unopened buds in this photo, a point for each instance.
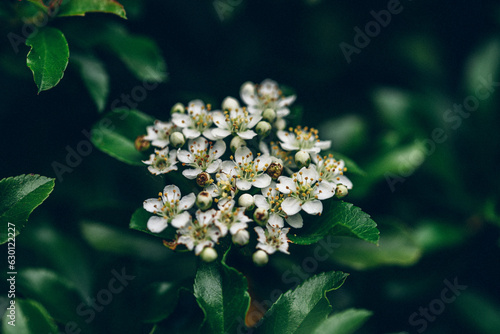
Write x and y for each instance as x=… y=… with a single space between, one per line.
x=270 y=174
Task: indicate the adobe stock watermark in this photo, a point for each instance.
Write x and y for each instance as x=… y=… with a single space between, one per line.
x=436 y=306
x=293 y=276
x=104 y=297
x=225 y=8
x=454 y=118
x=84 y=147
x=372 y=29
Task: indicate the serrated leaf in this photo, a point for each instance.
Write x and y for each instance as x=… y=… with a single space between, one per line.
x=139 y=222
x=30 y=318
x=345 y=322
x=94 y=77
x=303 y=309
x=338 y=218
x=221 y=292
x=19 y=196
x=82 y=7
x=115 y=134
x=48 y=57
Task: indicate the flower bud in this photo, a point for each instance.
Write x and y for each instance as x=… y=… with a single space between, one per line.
x=341 y=191
x=261 y=216
x=269 y=115
x=230 y=103
x=263 y=128
x=302 y=159
x=178 y=108
x=177 y=139
x=208 y=254
x=246 y=201
x=203 y=179
x=141 y=144
x=241 y=237
x=204 y=200
x=280 y=124
x=236 y=143
x=248 y=88
x=260 y=258
x=275 y=170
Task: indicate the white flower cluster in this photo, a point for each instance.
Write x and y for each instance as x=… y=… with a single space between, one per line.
x=268 y=173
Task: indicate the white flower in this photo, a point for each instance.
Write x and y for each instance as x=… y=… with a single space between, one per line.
x=201 y=233
x=169 y=208
x=272 y=239
x=237 y=122
x=230 y=218
x=196 y=122
x=305 y=139
x=267 y=95
x=332 y=171
x=249 y=172
x=305 y=191
x=162 y=161
x=225 y=186
x=271 y=201
x=201 y=157
x=159 y=133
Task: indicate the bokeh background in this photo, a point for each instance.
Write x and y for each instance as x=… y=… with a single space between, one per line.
x=439 y=219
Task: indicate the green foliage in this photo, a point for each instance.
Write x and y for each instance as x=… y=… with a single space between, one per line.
x=20 y=195
x=95 y=78
x=345 y=322
x=139 y=222
x=48 y=57
x=81 y=7
x=160 y=300
x=30 y=318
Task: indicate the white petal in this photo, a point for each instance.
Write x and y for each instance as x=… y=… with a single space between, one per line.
x=185 y=156
x=290 y=206
x=248 y=134
x=191 y=173
x=260 y=202
x=286 y=185
x=213 y=166
x=218 y=149
x=313 y=207
x=186 y=240
x=275 y=220
x=344 y=180
x=287 y=101
x=228 y=167
x=152 y=205
x=195 y=107
x=324 y=190
x=157 y=224
x=247 y=93
x=263 y=162
x=262 y=181
x=241 y=154
x=295 y=221
x=285 y=136
x=324 y=145
x=243 y=184
x=191 y=133
x=171 y=193
x=267 y=248
x=310 y=173
x=253 y=121
x=282 y=112
x=199 y=248
x=219 y=119
x=181 y=120
x=291 y=146
x=213 y=190
x=187 y=202
x=207 y=133
x=181 y=220
x=260 y=233
x=263 y=148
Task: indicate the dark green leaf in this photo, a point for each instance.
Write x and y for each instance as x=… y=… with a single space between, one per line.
x=30 y=318
x=432 y=236
x=19 y=196
x=351 y=166
x=48 y=57
x=303 y=309
x=115 y=135
x=345 y=322
x=482 y=65
x=140 y=54
x=338 y=218
x=160 y=300
x=94 y=77
x=81 y=7
x=139 y=222
x=221 y=292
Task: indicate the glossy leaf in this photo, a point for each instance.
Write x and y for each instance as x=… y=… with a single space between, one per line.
x=94 y=77
x=338 y=218
x=221 y=292
x=345 y=322
x=19 y=196
x=48 y=57
x=30 y=318
x=82 y=7
x=115 y=135
x=303 y=309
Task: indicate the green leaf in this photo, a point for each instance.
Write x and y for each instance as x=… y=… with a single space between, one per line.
x=116 y=132
x=94 y=77
x=48 y=57
x=338 y=218
x=303 y=309
x=483 y=64
x=30 y=318
x=19 y=196
x=160 y=300
x=221 y=292
x=432 y=235
x=345 y=322
x=140 y=54
x=139 y=222
x=81 y=7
